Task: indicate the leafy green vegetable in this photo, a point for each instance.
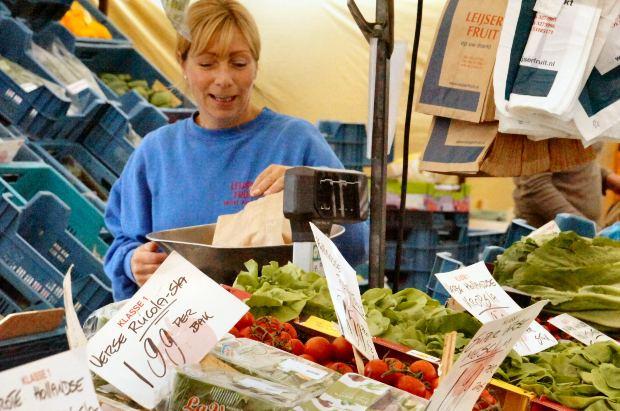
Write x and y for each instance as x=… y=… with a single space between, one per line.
x=571 y=374
x=285 y=292
x=578 y=275
x=412 y=318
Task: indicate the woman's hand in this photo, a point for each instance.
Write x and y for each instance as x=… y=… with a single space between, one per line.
x=145 y=261
x=270 y=181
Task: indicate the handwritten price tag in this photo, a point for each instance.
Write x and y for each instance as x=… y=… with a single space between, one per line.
x=59 y=382
x=345 y=293
x=578 y=329
x=174 y=319
x=480 y=359
x=477 y=291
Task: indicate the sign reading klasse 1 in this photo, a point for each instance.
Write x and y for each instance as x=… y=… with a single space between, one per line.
x=174 y=319
x=58 y=382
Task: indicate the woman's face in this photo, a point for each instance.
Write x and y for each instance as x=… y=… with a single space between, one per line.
x=222 y=84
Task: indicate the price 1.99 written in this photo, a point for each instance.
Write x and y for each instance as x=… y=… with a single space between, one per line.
x=168 y=352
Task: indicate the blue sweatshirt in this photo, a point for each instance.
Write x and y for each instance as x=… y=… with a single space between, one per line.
x=183 y=175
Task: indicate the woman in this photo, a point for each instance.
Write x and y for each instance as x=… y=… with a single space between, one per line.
x=190 y=172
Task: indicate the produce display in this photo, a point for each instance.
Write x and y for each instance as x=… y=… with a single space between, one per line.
x=156 y=94
x=571 y=374
x=82 y=24
x=206 y=386
x=579 y=276
x=264 y=361
x=285 y=292
x=412 y=318
x=354 y=392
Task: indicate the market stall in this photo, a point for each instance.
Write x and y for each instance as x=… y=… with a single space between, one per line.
x=313 y=286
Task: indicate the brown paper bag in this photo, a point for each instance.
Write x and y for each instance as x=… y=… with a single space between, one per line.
x=458 y=147
x=458 y=78
x=260 y=223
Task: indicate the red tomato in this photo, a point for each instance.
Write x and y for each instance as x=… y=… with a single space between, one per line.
x=434 y=383
x=487 y=397
x=343 y=350
x=412 y=385
x=308 y=357
x=394 y=367
x=297 y=347
x=428 y=394
x=425 y=368
x=290 y=329
x=245 y=321
x=340 y=367
x=375 y=369
x=319 y=348
x=234 y=331
x=245 y=332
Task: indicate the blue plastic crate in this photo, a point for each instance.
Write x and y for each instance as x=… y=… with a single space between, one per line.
x=60 y=154
x=26 y=179
x=126 y=60
x=348 y=140
x=478 y=240
x=32 y=107
x=36 y=250
x=38 y=13
x=427 y=228
x=444 y=262
x=518 y=229
x=420 y=258
x=143 y=116
x=22 y=350
x=4 y=10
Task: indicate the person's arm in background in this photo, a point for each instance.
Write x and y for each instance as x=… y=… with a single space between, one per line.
x=128 y=219
x=611 y=181
x=538 y=196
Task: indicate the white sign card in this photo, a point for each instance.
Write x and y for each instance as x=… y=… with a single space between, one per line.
x=175 y=318
x=579 y=330
x=59 y=382
x=475 y=289
x=480 y=359
x=345 y=293
x=550 y=228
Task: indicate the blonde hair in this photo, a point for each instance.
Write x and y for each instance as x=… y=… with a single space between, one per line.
x=213 y=22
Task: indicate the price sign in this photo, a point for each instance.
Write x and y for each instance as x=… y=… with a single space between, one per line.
x=59 y=382
x=345 y=293
x=478 y=362
x=550 y=228
x=579 y=330
x=475 y=289
x=174 y=319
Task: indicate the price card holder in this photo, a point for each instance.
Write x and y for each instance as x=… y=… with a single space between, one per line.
x=345 y=294
x=477 y=291
x=579 y=330
x=59 y=382
x=470 y=374
x=174 y=319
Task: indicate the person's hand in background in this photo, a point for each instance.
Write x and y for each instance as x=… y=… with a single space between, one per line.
x=145 y=261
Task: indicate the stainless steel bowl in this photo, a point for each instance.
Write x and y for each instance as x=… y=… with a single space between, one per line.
x=220 y=263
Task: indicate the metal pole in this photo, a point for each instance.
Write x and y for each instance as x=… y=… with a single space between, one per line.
x=405 y=174
x=383 y=30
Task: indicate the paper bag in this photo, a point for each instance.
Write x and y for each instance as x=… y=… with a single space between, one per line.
x=458 y=147
x=260 y=223
x=459 y=75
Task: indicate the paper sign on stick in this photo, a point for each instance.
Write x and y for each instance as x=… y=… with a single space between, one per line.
x=578 y=329
x=477 y=291
x=59 y=382
x=174 y=319
x=345 y=293
x=480 y=359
